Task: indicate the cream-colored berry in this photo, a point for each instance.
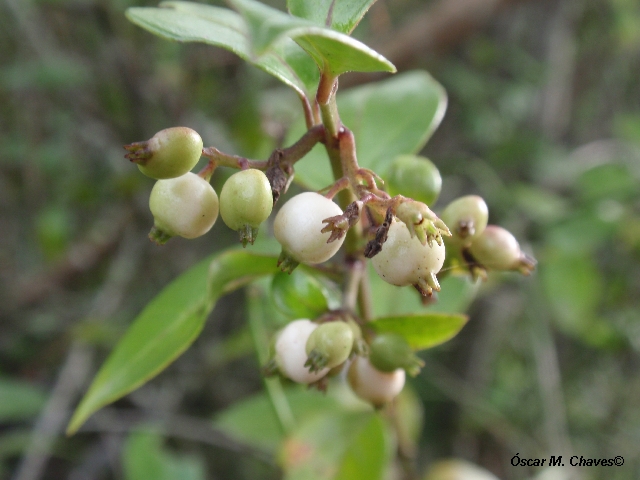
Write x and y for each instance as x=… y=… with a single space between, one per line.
x=403 y=260
x=373 y=385
x=291 y=355
x=298 y=224
x=186 y=206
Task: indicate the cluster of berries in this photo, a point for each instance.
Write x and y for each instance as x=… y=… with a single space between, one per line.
x=406 y=248
x=310 y=352
x=184 y=203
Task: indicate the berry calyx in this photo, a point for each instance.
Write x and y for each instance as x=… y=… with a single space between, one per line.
x=245 y=202
x=415 y=177
x=497 y=249
x=467 y=218
x=186 y=206
x=390 y=351
x=329 y=345
x=290 y=353
x=298 y=227
x=372 y=385
x=170 y=153
x=422 y=222
x=403 y=260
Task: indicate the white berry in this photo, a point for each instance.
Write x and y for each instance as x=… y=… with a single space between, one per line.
x=298 y=224
x=373 y=385
x=186 y=206
x=403 y=260
x=290 y=353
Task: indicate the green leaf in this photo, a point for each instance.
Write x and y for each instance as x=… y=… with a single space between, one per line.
x=369 y=455
x=389 y=300
x=335 y=53
x=299 y=294
x=315 y=450
x=253 y=421
x=144 y=458
x=195 y=22
x=168 y=325
x=388 y=118
x=345 y=14
x=424 y=330
x=19 y=400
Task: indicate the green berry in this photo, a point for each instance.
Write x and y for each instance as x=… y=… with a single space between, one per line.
x=389 y=351
x=245 y=202
x=466 y=218
x=415 y=177
x=170 y=153
x=329 y=345
x=186 y=206
x=497 y=249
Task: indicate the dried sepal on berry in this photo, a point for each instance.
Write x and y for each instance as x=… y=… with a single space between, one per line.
x=338 y=225
x=170 y=153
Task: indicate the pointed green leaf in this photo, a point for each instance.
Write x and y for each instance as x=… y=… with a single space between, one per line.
x=168 y=326
x=194 y=22
x=344 y=15
x=422 y=331
x=333 y=52
x=388 y=118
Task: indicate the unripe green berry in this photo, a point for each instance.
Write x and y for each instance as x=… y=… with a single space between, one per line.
x=496 y=249
x=298 y=226
x=329 y=345
x=415 y=177
x=245 y=202
x=186 y=206
x=403 y=260
x=290 y=354
x=170 y=153
x=466 y=218
x=371 y=384
x=389 y=351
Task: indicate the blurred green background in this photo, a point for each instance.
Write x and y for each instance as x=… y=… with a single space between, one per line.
x=543 y=122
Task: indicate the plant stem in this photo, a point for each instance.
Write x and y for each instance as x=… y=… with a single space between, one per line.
x=289 y=155
x=274 y=389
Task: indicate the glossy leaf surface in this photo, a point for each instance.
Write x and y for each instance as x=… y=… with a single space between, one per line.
x=333 y=52
x=168 y=326
x=422 y=331
x=340 y=15
x=221 y=27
